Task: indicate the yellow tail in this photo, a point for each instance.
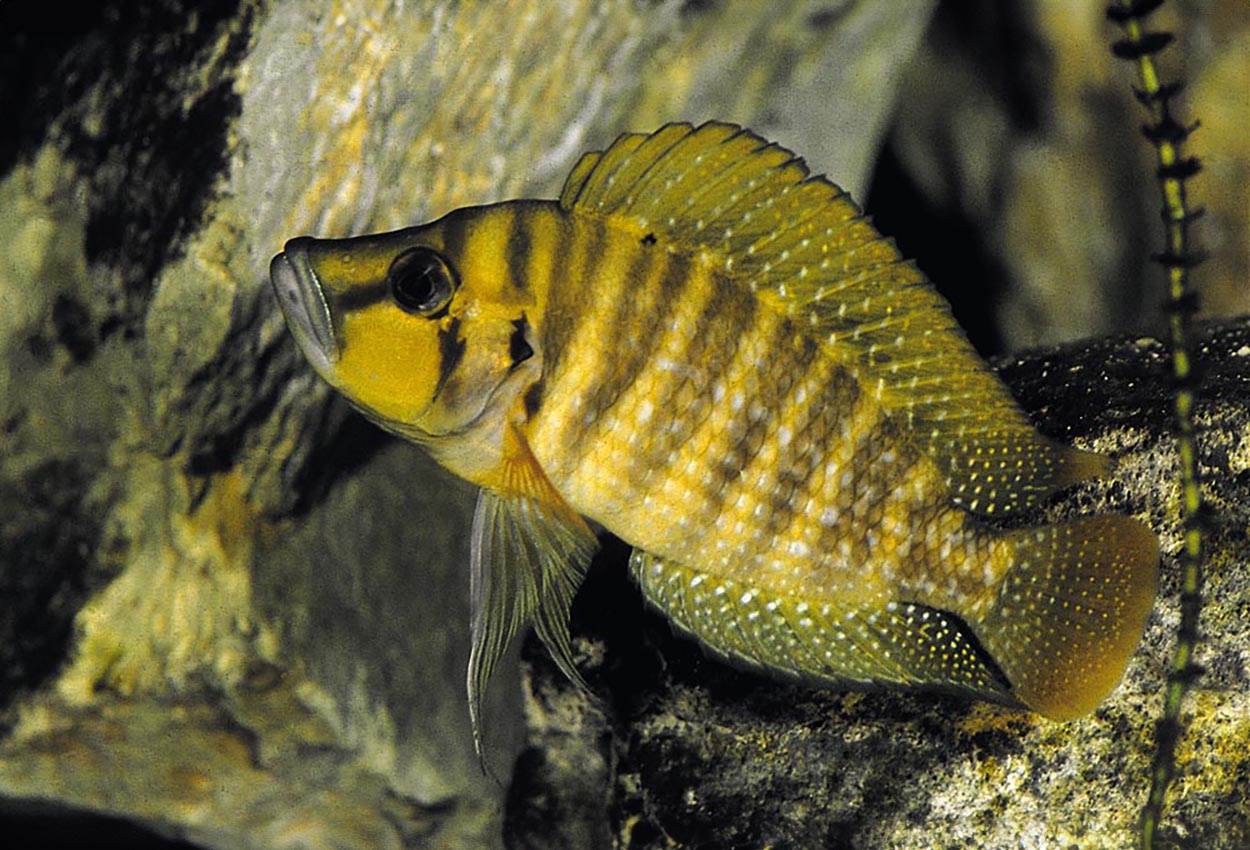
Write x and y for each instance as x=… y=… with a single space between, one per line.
x=1071 y=611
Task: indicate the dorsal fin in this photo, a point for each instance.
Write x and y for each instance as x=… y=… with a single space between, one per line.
x=806 y=249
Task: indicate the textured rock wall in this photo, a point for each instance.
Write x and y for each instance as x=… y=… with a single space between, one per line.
x=231 y=610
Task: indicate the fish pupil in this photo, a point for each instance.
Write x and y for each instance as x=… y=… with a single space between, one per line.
x=421 y=281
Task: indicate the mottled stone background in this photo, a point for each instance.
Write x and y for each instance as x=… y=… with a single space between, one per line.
x=234 y=614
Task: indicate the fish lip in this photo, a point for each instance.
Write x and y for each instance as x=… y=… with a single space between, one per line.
x=304 y=304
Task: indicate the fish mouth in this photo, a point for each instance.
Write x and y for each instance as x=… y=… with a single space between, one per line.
x=304 y=304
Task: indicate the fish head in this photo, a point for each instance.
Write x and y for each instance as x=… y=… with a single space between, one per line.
x=418 y=329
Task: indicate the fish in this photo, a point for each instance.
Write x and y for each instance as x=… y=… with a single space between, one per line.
x=710 y=353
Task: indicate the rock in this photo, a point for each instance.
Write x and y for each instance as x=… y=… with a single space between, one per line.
x=676 y=749
x=1017 y=121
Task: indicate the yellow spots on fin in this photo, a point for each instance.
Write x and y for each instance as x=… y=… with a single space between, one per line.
x=528 y=554
x=829 y=639
x=1071 y=610
x=998 y=471
x=1055 y=636
x=755 y=213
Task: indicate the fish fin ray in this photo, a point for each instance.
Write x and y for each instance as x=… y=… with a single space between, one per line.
x=862 y=642
x=576 y=181
x=808 y=251
x=1070 y=612
x=528 y=554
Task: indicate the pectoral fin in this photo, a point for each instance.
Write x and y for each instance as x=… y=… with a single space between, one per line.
x=528 y=556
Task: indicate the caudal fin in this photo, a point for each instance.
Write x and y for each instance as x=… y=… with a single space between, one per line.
x=1071 y=611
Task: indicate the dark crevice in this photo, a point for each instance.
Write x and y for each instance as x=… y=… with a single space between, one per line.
x=344 y=443
x=1001 y=42
x=45 y=572
x=72 y=324
x=109 y=83
x=49 y=827
x=948 y=248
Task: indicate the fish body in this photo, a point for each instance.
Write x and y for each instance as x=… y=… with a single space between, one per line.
x=715 y=357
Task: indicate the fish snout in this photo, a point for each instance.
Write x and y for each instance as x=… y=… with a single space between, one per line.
x=304 y=304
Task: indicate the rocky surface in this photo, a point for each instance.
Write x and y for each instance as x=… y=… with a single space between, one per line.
x=232 y=611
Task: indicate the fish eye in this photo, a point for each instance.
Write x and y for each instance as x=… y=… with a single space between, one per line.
x=421 y=281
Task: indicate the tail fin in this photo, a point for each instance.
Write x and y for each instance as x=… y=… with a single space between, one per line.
x=1071 y=611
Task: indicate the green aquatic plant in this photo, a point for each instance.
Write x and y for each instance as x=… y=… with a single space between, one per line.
x=1168 y=136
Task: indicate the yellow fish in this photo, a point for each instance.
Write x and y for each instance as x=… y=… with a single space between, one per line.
x=715 y=357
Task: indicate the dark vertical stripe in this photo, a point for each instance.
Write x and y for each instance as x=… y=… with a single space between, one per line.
x=568 y=298
x=719 y=348
x=450 y=352
x=570 y=307
x=680 y=288
x=725 y=320
x=814 y=419
x=797 y=460
x=503 y=218
x=628 y=334
x=775 y=388
x=640 y=311
x=454 y=237
x=874 y=432
x=735 y=460
x=520 y=249
x=678 y=389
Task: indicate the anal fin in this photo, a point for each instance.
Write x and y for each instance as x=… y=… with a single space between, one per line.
x=827 y=641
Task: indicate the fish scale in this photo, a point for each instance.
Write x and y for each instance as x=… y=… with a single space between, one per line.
x=715 y=357
x=759 y=510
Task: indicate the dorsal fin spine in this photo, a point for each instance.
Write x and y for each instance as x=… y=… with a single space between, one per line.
x=663 y=147
x=707 y=183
